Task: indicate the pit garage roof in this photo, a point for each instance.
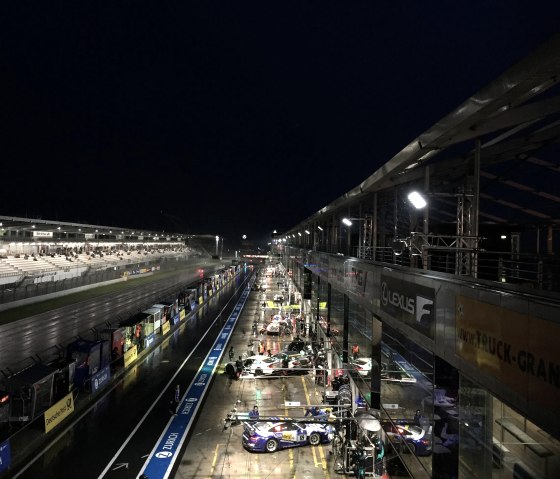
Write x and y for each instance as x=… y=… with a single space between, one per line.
x=517 y=120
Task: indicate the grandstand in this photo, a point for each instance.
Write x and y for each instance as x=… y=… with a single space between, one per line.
x=39 y=257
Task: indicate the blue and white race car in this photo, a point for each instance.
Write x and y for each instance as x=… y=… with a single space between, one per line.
x=272 y=436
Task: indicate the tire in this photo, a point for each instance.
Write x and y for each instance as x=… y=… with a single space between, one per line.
x=315 y=439
x=258 y=372
x=271 y=445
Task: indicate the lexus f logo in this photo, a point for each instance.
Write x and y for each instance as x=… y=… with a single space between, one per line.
x=423 y=307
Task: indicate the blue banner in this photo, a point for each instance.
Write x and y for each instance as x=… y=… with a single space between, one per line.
x=149 y=340
x=176 y=319
x=165 y=453
x=5 y=455
x=100 y=379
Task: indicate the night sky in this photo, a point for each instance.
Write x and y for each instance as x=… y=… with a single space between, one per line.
x=233 y=117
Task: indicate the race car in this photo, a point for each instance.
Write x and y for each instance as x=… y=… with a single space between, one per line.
x=362 y=366
x=272 y=436
x=276 y=365
x=408 y=436
x=249 y=364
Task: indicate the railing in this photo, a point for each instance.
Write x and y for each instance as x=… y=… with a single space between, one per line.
x=537 y=272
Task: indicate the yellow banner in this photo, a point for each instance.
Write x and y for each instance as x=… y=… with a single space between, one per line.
x=165 y=328
x=130 y=356
x=519 y=350
x=182 y=315
x=200 y=300
x=60 y=411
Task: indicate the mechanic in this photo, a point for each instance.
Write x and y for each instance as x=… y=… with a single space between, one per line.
x=254 y=414
x=312 y=411
x=238 y=367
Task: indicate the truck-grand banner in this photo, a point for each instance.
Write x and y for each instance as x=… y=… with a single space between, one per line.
x=412 y=303
x=519 y=350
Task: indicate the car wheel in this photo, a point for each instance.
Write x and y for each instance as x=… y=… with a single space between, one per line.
x=271 y=445
x=315 y=439
x=258 y=372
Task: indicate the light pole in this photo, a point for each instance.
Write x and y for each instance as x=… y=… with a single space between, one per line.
x=348 y=223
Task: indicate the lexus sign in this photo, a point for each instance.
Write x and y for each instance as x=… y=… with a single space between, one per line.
x=412 y=303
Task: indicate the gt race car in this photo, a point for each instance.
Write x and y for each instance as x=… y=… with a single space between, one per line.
x=273 y=436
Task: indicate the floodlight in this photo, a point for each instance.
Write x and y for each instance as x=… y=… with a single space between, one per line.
x=417 y=200
x=346 y=221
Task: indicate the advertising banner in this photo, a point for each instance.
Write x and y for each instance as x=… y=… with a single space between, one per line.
x=100 y=379
x=151 y=338
x=166 y=326
x=5 y=455
x=519 y=350
x=359 y=281
x=60 y=411
x=182 y=315
x=411 y=303
x=130 y=356
x=336 y=273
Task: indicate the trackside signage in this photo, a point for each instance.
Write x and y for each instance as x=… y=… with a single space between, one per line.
x=410 y=302
x=5 y=455
x=130 y=356
x=60 y=411
x=520 y=350
x=100 y=379
x=163 y=456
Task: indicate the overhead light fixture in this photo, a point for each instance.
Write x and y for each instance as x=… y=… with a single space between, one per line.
x=307 y=231
x=319 y=228
x=417 y=200
x=299 y=233
x=346 y=221
x=503 y=237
